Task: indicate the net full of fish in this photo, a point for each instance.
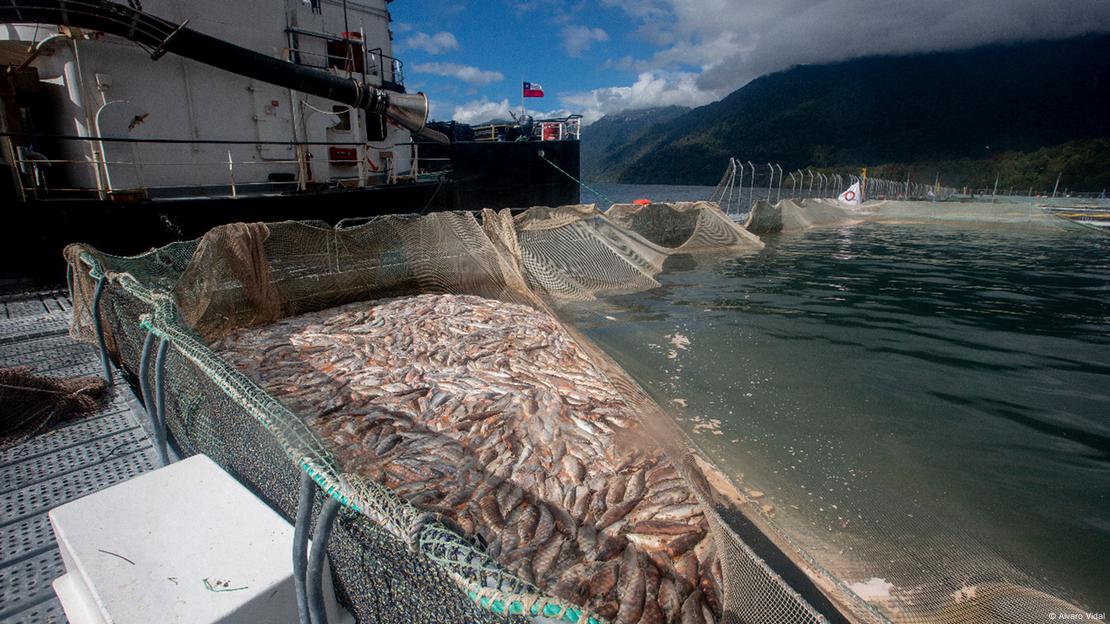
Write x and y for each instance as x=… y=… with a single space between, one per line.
x=490 y=414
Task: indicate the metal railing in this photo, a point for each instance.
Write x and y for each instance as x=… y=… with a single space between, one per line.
x=40 y=177
x=744 y=183
x=558 y=129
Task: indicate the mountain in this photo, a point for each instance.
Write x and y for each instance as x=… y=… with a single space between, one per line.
x=939 y=107
x=602 y=140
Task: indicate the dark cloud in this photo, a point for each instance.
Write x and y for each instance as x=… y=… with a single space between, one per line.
x=732 y=42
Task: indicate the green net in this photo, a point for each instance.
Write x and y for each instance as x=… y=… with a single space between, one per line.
x=492 y=463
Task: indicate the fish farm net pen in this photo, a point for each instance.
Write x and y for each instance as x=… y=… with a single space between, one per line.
x=395 y=554
x=401 y=551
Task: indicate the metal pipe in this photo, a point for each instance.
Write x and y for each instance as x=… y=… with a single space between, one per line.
x=810 y=182
x=778 y=196
x=98 y=326
x=740 y=195
x=731 y=183
x=160 y=401
x=300 y=544
x=314 y=579
x=770 y=182
x=751 y=193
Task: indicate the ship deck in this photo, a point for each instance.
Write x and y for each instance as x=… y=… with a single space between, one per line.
x=67 y=461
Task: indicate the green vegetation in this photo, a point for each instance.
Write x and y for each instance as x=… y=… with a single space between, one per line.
x=1024 y=112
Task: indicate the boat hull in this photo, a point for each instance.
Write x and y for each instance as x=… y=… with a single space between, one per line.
x=484 y=175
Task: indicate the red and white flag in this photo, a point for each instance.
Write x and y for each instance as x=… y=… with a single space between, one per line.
x=533 y=89
x=851 y=196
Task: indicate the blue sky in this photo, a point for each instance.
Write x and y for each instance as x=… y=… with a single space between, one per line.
x=602 y=56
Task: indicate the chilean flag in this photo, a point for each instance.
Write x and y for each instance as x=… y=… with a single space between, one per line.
x=533 y=89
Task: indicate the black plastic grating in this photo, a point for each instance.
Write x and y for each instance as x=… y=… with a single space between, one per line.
x=27 y=582
x=70 y=460
x=45 y=495
x=25 y=537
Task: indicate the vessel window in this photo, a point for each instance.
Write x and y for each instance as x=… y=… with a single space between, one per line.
x=344 y=114
x=375 y=127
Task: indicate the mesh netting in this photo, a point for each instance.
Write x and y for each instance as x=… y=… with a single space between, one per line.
x=796 y=215
x=264 y=410
x=578 y=253
x=792 y=215
x=684 y=227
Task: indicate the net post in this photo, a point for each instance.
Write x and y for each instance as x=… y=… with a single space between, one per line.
x=315 y=575
x=160 y=402
x=98 y=325
x=300 y=544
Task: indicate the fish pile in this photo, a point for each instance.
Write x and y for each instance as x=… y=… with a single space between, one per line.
x=492 y=415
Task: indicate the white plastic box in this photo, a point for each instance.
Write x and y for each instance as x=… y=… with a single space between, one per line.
x=185 y=543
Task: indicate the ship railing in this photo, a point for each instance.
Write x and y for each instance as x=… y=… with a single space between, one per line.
x=425 y=165
x=557 y=129
x=347 y=55
x=490 y=132
x=39 y=177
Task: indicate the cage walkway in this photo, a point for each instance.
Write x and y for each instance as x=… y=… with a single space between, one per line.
x=69 y=460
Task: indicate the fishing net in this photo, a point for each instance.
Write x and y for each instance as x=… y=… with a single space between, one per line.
x=394 y=558
x=578 y=253
x=797 y=215
x=1005 y=214
x=790 y=215
x=684 y=227
x=32 y=402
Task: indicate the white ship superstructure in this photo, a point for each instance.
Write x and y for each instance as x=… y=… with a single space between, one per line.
x=227 y=134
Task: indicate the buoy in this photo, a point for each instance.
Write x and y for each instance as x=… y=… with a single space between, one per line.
x=641 y=202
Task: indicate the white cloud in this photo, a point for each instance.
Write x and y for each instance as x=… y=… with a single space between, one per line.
x=438 y=43
x=481 y=110
x=465 y=73
x=578 y=39
x=652 y=88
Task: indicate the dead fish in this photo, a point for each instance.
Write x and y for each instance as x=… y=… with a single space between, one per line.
x=688 y=568
x=683 y=543
x=661 y=527
x=636 y=486
x=615 y=513
x=691 y=609
x=630 y=590
x=678 y=512
x=604 y=579
x=668 y=601
x=545 y=556
x=545 y=526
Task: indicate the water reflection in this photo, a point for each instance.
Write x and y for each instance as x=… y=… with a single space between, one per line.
x=925 y=395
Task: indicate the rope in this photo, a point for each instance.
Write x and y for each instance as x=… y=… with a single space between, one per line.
x=580 y=182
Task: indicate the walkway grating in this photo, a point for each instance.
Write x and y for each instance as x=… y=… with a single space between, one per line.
x=65 y=462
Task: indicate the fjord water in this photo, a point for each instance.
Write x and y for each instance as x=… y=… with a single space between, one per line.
x=918 y=404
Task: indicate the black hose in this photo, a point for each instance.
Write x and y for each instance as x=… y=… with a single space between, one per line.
x=314 y=579
x=160 y=401
x=98 y=327
x=300 y=544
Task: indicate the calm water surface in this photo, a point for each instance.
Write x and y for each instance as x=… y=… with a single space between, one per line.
x=914 y=401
